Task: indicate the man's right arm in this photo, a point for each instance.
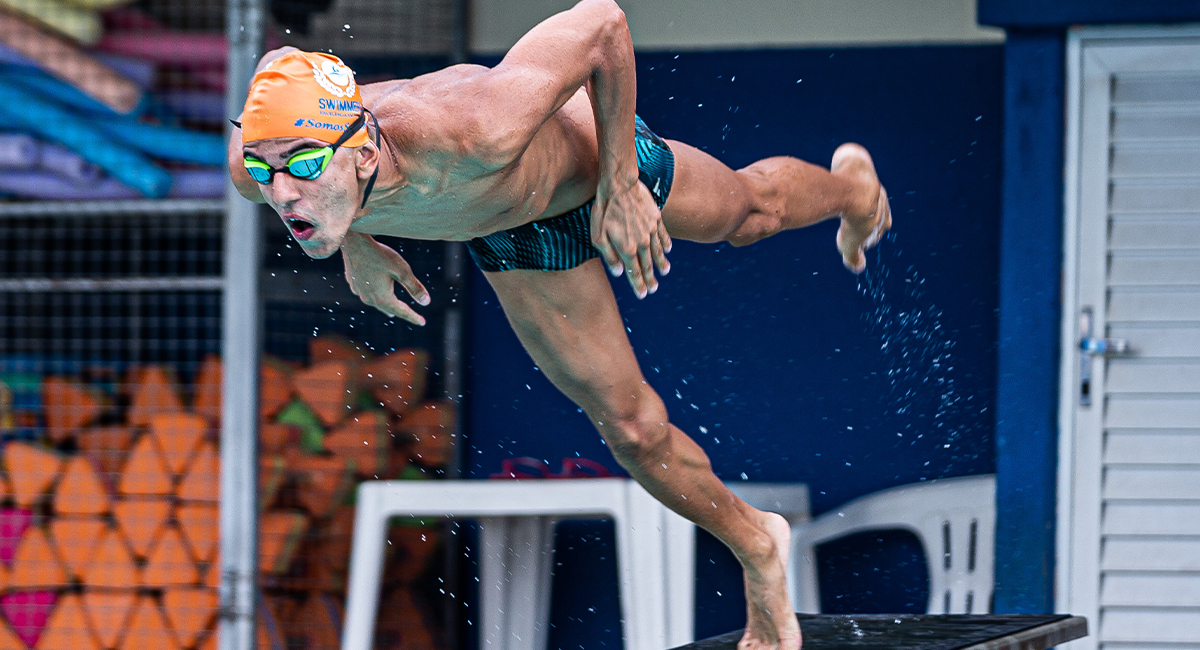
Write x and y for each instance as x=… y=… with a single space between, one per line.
x=372 y=269
x=245 y=185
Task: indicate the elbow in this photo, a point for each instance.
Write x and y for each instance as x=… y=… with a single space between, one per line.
x=616 y=27
x=613 y=42
x=608 y=24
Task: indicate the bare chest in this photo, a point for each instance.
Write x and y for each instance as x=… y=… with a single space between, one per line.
x=461 y=203
x=458 y=209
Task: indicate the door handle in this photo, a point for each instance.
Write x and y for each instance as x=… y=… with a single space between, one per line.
x=1091 y=347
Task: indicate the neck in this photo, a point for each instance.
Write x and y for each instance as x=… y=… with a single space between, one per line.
x=389 y=178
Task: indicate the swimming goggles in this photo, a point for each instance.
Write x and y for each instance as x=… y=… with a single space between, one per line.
x=308 y=165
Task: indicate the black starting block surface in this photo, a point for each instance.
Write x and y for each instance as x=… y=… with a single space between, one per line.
x=923 y=632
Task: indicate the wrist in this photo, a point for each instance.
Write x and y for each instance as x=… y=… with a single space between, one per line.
x=354 y=240
x=617 y=181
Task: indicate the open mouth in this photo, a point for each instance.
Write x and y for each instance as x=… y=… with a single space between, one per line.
x=300 y=228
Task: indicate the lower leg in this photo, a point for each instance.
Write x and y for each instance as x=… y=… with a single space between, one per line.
x=676 y=471
x=789 y=193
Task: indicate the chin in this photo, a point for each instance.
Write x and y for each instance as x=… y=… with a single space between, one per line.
x=318 y=250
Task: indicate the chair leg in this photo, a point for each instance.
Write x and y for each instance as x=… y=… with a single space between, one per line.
x=493 y=585
x=679 y=555
x=543 y=581
x=802 y=577
x=366 y=569
x=641 y=547
x=515 y=577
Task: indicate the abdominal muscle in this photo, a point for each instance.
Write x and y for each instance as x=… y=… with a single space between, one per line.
x=458 y=200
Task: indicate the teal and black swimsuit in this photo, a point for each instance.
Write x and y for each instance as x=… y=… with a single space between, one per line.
x=564 y=242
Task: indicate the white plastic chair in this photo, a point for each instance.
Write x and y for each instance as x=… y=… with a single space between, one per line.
x=955 y=520
x=655 y=554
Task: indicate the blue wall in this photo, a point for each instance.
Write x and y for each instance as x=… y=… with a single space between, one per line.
x=781 y=364
x=1062 y=13
x=1030 y=313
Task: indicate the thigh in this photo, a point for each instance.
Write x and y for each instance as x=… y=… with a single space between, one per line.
x=708 y=200
x=569 y=323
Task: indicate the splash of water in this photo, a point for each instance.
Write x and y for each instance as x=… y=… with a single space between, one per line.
x=918 y=351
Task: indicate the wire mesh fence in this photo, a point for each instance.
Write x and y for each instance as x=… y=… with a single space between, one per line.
x=112 y=176
x=354 y=396
x=109 y=516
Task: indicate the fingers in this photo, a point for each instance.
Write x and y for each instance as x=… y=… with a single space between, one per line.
x=609 y=254
x=389 y=304
x=631 y=260
x=646 y=264
x=607 y=251
x=412 y=285
x=660 y=246
x=400 y=271
x=393 y=306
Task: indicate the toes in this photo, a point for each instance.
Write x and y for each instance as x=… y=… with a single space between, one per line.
x=856 y=261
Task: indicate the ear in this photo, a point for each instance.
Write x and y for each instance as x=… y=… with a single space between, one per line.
x=365 y=159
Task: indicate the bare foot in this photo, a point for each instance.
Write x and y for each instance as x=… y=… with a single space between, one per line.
x=770 y=622
x=871 y=216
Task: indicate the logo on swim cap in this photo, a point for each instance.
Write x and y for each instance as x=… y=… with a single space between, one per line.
x=336 y=79
x=303 y=95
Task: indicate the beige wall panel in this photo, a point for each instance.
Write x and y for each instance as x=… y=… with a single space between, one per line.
x=739 y=24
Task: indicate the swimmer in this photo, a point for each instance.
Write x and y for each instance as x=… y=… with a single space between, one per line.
x=541 y=166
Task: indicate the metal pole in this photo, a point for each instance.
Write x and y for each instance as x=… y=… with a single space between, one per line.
x=452 y=359
x=241 y=327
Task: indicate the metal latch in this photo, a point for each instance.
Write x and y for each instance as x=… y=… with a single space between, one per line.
x=1091 y=347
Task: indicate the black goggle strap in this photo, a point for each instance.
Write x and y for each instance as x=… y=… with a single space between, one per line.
x=351 y=129
x=374 y=174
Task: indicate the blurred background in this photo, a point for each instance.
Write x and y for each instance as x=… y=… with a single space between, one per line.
x=1041 y=162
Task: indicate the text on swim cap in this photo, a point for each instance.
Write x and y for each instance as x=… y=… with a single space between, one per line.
x=344 y=105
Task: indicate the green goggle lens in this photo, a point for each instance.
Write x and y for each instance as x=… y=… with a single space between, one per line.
x=309 y=165
x=306 y=165
x=258 y=170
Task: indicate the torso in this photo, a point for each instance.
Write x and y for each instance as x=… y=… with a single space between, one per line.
x=449 y=195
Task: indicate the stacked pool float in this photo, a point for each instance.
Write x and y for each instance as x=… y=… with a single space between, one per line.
x=109 y=499
x=101 y=102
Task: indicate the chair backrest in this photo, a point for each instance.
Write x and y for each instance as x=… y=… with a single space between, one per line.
x=955 y=520
x=788 y=499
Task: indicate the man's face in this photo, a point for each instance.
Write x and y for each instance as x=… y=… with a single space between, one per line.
x=318 y=212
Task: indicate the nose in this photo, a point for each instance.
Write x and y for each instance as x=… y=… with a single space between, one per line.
x=284 y=190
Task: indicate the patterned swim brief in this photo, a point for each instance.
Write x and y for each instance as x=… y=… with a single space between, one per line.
x=564 y=242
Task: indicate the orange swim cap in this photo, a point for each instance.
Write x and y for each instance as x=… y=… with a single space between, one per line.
x=303 y=95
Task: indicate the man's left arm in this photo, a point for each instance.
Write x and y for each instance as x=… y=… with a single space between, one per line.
x=590 y=45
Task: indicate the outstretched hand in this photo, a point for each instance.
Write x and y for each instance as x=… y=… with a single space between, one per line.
x=371 y=269
x=628 y=230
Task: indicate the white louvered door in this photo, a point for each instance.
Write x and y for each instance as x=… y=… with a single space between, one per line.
x=1129 y=539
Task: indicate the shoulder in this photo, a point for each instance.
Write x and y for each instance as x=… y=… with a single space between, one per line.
x=444 y=113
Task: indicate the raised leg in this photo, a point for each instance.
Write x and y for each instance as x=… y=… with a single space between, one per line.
x=569 y=323
x=710 y=202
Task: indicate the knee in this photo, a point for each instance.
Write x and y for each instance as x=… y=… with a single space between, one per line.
x=636 y=431
x=758 y=226
x=763 y=209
